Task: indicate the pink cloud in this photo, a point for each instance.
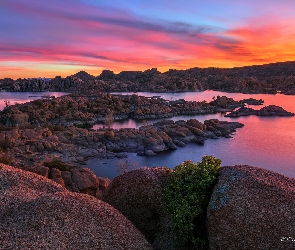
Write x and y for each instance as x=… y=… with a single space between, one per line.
x=60 y=33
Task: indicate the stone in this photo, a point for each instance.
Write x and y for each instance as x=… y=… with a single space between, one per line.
x=251 y=208
x=69 y=184
x=38 y=169
x=37 y=213
x=103 y=183
x=149 y=152
x=55 y=173
x=138 y=195
x=85 y=180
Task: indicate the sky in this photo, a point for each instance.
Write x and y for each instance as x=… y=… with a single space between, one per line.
x=42 y=38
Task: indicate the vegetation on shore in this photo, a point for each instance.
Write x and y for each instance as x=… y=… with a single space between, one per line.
x=59 y=164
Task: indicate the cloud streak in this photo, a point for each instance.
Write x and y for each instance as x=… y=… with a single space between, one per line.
x=96 y=37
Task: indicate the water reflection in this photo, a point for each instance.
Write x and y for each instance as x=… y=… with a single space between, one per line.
x=22 y=97
x=266 y=142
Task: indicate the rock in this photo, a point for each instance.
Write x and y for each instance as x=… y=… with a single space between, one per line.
x=155 y=144
x=55 y=175
x=87 y=152
x=138 y=195
x=141 y=151
x=179 y=143
x=36 y=213
x=149 y=152
x=103 y=183
x=85 y=180
x=271 y=110
x=221 y=128
x=209 y=134
x=69 y=184
x=252 y=101
x=251 y=208
x=109 y=134
x=39 y=169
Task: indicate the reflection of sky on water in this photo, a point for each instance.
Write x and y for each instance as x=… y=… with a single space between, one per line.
x=266 y=142
x=22 y=97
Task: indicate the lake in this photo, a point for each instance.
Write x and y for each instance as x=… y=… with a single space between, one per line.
x=266 y=142
x=22 y=97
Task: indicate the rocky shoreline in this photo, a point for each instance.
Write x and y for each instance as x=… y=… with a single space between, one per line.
x=97 y=107
x=45 y=129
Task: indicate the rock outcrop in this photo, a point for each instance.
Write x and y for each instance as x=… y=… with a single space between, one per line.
x=252 y=208
x=96 y=107
x=32 y=146
x=138 y=195
x=77 y=179
x=270 y=110
x=37 y=213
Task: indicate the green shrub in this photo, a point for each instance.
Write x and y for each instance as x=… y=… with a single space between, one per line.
x=187 y=195
x=59 y=164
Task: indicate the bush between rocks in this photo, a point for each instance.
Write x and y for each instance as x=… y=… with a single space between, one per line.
x=187 y=195
x=59 y=164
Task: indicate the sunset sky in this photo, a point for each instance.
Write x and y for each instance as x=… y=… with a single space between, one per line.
x=45 y=38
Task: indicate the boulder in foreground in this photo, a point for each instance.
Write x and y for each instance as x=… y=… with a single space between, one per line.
x=252 y=208
x=138 y=195
x=37 y=213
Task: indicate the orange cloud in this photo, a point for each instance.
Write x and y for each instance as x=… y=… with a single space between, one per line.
x=55 y=40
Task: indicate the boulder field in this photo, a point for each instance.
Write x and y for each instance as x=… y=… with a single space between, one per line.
x=32 y=146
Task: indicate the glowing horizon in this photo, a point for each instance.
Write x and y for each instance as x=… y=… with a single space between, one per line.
x=39 y=38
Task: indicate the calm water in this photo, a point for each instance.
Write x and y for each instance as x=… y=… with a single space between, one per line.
x=263 y=142
x=22 y=97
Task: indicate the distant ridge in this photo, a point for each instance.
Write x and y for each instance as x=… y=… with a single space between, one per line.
x=83 y=75
x=267 y=78
x=287 y=67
